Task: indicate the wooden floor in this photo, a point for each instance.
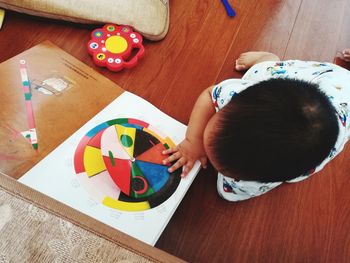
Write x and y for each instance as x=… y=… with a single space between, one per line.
x=304 y=222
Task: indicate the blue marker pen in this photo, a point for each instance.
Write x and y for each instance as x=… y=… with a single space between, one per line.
x=229 y=9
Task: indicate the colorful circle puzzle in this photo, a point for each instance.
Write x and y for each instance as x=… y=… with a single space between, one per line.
x=112 y=45
x=119 y=163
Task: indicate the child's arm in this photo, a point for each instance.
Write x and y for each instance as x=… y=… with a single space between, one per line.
x=191 y=148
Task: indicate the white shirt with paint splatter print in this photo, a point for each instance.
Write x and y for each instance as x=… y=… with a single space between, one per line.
x=333 y=80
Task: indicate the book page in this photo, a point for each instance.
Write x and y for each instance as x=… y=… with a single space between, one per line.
x=125 y=135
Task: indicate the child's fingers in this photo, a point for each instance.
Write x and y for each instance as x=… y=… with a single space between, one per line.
x=170 y=150
x=187 y=168
x=172 y=158
x=346 y=52
x=178 y=164
x=185 y=172
x=203 y=161
x=346 y=55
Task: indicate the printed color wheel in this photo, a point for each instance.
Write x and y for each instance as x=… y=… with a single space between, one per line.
x=119 y=163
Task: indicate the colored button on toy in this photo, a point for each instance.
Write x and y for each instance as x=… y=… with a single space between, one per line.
x=112 y=45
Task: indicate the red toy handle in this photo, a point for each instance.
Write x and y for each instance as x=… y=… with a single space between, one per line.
x=139 y=54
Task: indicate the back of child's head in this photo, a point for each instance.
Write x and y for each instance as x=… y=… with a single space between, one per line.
x=273 y=131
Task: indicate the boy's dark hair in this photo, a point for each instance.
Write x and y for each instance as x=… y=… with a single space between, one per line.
x=275 y=130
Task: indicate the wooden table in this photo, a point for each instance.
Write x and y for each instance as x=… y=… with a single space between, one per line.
x=304 y=222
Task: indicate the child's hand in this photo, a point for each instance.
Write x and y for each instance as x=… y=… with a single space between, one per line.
x=192 y=149
x=346 y=54
x=186 y=153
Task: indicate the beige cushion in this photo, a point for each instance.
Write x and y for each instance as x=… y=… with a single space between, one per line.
x=149 y=17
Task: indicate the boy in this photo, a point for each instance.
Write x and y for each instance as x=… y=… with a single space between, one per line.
x=281 y=122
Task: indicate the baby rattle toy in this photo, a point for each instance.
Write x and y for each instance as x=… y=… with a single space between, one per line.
x=112 y=46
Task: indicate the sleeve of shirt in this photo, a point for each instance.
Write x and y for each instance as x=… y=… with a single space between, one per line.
x=223 y=92
x=233 y=190
x=295 y=69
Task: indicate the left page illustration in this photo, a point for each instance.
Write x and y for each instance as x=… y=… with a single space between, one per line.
x=65 y=94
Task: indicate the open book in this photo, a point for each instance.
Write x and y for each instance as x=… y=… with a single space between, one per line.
x=110 y=168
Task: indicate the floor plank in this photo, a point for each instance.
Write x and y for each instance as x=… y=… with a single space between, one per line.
x=317 y=22
x=267 y=27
